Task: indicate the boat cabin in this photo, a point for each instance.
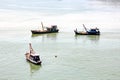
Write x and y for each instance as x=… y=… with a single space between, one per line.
x=35 y=57
x=52 y=28
x=94 y=31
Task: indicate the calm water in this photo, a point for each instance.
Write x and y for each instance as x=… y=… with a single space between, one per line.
x=78 y=57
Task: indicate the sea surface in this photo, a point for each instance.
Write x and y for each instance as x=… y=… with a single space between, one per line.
x=83 y=57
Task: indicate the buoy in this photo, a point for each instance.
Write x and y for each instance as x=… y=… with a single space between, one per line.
x=55 y=56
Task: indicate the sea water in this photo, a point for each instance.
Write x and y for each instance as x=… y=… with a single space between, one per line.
x=64 y=55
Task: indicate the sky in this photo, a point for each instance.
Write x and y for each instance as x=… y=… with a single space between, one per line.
x=67 y=14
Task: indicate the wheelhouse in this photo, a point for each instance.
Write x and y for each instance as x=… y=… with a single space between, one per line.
x=35 y=57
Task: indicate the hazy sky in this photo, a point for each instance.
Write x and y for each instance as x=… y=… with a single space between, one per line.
x=55 y=4
x=65 y=13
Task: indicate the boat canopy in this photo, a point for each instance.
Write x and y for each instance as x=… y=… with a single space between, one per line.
x=34 y=54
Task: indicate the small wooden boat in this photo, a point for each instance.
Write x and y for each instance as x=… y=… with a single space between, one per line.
x=32 y=57
x=52 y=29
x=93 y=31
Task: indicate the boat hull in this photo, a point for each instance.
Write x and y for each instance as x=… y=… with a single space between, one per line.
x=37 y=63
x=30 y=59
x=43 y=32
x=86 y=33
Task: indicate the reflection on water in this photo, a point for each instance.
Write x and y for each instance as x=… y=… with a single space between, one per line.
x=34 y=68
x=93 y=38
x=43 y=36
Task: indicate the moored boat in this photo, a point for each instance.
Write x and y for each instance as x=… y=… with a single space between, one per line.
x=93 y=31
x=32 y=57
x=52 y=29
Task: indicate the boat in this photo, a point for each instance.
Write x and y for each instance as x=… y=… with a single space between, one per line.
x=52 y=29
x=92 y=31
x=33 y=57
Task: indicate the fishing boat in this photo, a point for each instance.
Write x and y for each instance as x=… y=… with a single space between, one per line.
x=52 y=29
x=32 y=57
x=92 y=31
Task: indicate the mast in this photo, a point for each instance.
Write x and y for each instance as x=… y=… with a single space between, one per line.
x=85 y=28
x=42 y=26
x=31 y=49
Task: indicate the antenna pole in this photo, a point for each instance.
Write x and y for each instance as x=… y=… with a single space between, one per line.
x=85 y=28
x=42 y=26
x=31 y=49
